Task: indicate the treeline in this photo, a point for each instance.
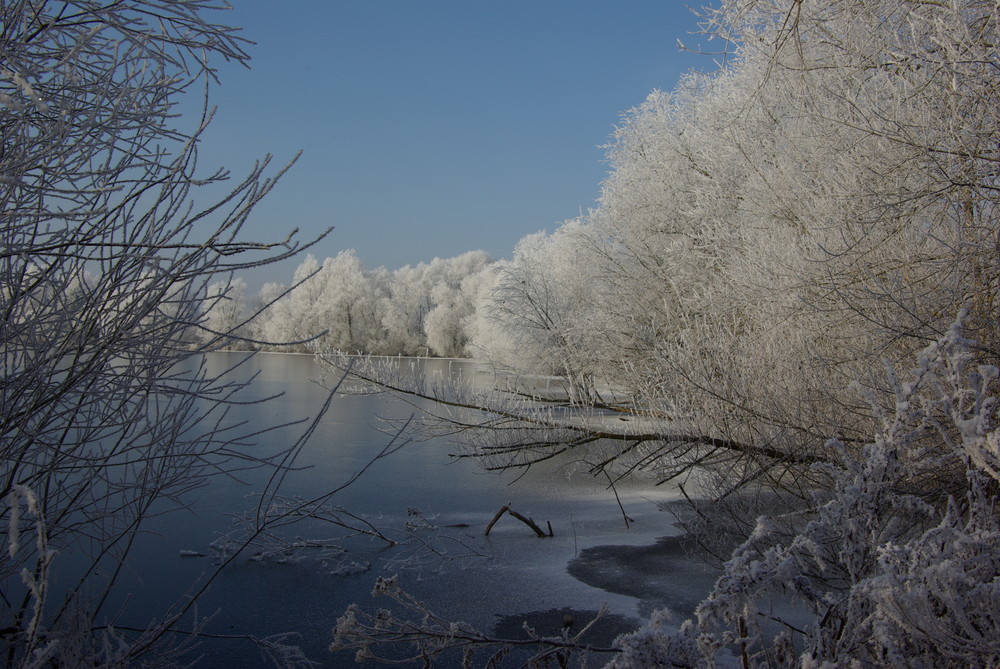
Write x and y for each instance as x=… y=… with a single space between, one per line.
x=427 y=309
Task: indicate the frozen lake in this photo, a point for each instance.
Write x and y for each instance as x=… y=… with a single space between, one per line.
x=513 y=576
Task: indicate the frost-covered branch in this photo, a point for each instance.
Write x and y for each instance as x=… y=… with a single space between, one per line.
x=422 y=635
x=518 y=429
x=112 y=233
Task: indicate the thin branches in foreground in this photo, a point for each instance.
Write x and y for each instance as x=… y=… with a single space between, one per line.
x=413 y=633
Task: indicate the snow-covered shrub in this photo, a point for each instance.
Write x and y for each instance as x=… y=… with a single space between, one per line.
x=890 y=575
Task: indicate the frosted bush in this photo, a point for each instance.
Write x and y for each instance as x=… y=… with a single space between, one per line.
x=888 y=575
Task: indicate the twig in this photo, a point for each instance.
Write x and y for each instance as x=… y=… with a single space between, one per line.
x=524 y=519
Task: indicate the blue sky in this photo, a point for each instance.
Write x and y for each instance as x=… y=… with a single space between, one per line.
x=436 y=127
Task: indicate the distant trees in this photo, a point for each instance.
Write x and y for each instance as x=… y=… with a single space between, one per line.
x=455 y=294
x=335 y=301
x=338 y=305
x=224 y=302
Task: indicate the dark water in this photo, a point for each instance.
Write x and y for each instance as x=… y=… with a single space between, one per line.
x=512 y=577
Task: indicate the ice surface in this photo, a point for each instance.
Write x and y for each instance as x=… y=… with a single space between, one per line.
x=495 y=583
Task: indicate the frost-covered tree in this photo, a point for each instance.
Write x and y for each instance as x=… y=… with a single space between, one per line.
x=538 y=315
x=346 y=306
x=406 y=308
x=334 y=304
x=226 y=311
x=111 y=235
x=453 y=293
x=275 y=323
x=425 y=307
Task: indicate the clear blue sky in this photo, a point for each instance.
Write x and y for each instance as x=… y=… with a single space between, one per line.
x=436 y=127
